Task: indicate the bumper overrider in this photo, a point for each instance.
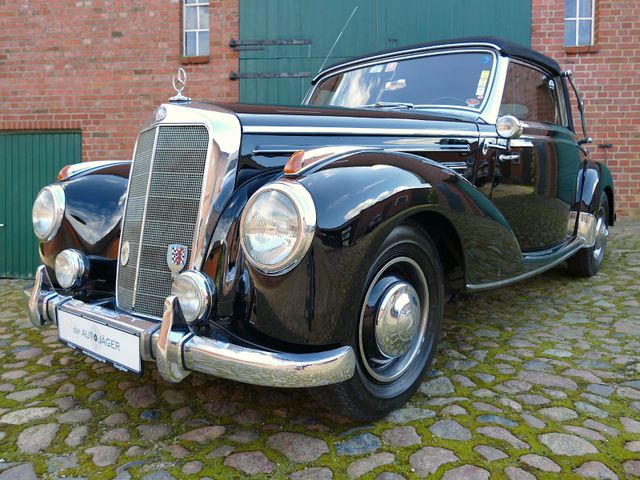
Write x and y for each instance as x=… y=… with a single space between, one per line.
x=179 y=352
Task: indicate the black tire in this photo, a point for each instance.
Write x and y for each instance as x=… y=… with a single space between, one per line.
x=587 y=261
x=406 y=252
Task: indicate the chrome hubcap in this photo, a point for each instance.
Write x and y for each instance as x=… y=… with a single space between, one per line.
x=393 y=321
x=397 y=320
x=602 y=232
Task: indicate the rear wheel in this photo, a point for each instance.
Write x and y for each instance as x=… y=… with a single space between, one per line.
x=396 y=333
x=587 y=261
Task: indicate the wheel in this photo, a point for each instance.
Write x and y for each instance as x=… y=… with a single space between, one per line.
x=587 y=261
x=395 y=336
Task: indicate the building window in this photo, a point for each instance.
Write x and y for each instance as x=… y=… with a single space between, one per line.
x=578 y=22
x=195 y=42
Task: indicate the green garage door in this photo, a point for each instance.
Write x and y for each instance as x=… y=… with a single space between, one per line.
x=28 y=162
x=284 y=42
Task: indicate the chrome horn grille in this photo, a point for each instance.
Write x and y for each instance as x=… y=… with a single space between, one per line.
x=163 y=201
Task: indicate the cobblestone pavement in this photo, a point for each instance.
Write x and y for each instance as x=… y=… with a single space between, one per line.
x=540 y=380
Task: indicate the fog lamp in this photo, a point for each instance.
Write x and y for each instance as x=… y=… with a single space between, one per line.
x=195 y=292
x=72 y=268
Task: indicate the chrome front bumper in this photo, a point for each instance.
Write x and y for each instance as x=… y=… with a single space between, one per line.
x=178 y=353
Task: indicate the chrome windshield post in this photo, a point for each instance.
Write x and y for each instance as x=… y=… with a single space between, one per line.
x=568 y=74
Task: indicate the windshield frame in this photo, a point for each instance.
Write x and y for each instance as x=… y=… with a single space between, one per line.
x=486 y=108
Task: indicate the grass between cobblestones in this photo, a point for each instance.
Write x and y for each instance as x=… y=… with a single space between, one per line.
x=597 y=321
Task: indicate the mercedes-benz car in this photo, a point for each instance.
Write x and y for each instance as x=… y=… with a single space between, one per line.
x=316 y=245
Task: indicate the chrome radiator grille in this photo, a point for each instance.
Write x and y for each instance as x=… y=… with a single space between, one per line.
x=162 y=208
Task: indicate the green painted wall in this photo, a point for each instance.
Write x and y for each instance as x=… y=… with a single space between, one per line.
x=28 y=162
x=376 y=25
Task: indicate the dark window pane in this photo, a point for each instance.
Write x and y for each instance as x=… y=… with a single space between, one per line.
x=528 y=96
x=585 y=8
x=191 y=19
x=203 y=18
x=569 y=32
x=570 y=8
x=203 y=43
x=190 y=47
x=584 y=37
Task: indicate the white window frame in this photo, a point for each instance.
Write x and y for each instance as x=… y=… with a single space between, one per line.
x=576 y=21
x=196 y=6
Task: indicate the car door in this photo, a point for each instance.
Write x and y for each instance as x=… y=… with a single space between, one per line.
x=534 y=181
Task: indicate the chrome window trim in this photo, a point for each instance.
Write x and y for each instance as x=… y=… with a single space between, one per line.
x=406 y=55
x=406 y=52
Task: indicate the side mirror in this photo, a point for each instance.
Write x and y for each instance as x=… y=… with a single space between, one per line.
x=509 y=127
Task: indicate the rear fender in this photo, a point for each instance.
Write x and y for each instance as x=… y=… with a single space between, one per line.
x=595 y=181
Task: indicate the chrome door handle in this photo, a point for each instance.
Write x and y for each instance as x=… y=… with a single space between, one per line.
x=509 y=158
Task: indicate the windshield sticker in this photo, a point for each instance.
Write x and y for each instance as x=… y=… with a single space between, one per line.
x=482 y=82
x=486 y=59
x=376 y=69
x=473 y=102
x=391 y=67
x=396 y=84
x=552 y=85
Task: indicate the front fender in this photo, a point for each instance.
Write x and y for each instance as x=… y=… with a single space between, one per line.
x=94 y=207
x=359 y=199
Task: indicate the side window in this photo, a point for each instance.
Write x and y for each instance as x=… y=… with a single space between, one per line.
x=530 y=95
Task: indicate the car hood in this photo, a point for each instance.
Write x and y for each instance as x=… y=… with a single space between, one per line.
x=274 y=119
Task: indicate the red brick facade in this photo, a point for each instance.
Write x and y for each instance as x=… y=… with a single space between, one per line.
x=103 y=67
x=608 y=73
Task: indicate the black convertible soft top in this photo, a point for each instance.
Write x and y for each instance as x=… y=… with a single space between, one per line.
x=507 y=47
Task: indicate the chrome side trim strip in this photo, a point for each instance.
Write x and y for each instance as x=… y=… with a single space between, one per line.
x=409 y=132
x=571 y=248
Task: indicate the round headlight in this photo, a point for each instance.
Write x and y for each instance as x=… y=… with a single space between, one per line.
x=277 y=226
x=47 y=213
x=509 y=127
x=71 y=268
x=195 y=294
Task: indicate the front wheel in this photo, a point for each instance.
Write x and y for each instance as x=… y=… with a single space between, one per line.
x=587 y=261
x=397 y=330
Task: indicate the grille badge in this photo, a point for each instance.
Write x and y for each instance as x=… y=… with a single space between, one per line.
x=176 y=257
x=124 y=253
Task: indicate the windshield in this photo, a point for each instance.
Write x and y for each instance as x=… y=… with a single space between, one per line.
x=446 y=79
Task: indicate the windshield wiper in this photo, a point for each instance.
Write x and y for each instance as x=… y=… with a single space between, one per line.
x=408 y=106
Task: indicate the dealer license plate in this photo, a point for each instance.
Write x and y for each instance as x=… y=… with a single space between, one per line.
x=101 y=342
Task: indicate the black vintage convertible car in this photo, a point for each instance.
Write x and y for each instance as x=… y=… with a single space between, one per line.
x=315 y=246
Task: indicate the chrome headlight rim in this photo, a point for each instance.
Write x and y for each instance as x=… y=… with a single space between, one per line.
x=305 y=208
x=80 y=264
x=206 y=290
x=59 y=205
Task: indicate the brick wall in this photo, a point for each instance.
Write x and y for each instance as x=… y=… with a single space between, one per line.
x=103 y=66
x=609 y=76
